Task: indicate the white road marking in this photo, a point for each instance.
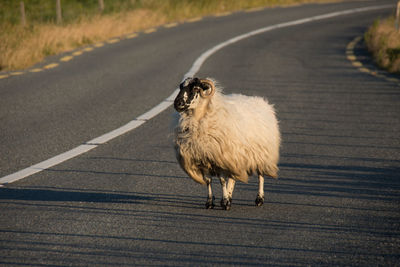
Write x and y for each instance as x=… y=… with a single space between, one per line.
x=46 y=164
x=168 y=101
x=200 y=60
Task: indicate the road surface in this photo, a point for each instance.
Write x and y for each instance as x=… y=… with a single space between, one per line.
x=127 y=202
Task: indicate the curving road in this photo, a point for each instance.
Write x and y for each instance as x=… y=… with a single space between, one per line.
x=126 y=202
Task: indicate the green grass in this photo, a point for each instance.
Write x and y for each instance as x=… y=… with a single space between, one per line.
x=44 y=11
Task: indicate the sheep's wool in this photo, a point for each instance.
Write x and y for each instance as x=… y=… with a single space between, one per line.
x=231 y=135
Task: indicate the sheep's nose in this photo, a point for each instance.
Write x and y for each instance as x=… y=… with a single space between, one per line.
x=180 y=102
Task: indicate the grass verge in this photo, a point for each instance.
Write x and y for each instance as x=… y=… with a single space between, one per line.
x=22 y=47
x=383 y=41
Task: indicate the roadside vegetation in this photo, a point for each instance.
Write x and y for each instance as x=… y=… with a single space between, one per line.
x=24 y=42
x=383 y=41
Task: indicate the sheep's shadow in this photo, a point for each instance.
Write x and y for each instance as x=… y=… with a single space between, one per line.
x=95 y=194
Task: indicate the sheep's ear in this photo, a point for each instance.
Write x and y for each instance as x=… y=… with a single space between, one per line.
x=208 y=88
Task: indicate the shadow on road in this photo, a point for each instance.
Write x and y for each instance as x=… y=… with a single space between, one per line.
x=31 y=194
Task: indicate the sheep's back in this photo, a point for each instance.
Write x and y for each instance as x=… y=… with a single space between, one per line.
x=248 y=130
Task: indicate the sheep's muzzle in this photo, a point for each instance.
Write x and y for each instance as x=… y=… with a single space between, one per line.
x=180 y=104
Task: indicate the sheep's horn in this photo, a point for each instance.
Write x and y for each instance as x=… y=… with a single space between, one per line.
x=212 y=88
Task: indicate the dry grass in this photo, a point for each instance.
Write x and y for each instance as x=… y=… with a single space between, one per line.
x=383 y=41
x=22 y=47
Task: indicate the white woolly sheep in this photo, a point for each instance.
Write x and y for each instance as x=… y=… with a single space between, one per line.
x=228 y=136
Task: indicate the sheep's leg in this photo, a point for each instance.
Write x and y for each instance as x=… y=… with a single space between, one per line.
x=210 y=198
x=225 y=202
x=260 y=196
x=229 y=187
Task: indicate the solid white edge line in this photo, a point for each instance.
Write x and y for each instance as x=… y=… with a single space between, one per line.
x=168 y=101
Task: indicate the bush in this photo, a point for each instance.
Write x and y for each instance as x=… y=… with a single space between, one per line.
x=383 y=41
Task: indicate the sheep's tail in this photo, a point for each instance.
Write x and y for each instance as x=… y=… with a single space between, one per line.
x=191 y=169
x=274 y=172
x=196 y=176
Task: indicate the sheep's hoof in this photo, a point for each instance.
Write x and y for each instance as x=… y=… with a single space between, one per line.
x=259 y=201
x=226 y=203
x=210 y=203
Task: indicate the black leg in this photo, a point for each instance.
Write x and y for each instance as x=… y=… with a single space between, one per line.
x=226 y=203
x=210 y=203
x=259 y=201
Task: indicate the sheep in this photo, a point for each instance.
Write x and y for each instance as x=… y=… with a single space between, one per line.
x=227 y=136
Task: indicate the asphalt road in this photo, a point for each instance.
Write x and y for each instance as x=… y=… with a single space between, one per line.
x=127 y=202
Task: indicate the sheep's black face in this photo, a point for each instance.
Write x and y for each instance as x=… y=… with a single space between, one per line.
x=189 y=94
